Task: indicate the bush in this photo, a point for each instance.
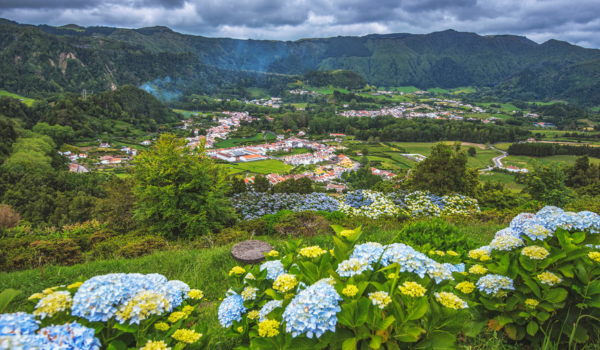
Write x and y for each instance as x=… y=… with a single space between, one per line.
x=127 y=246
x=256 y=227
x=305 y=224
x=434 y=234
x=8 y=217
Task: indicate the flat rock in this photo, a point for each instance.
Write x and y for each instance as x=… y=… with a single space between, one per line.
x=250 y=252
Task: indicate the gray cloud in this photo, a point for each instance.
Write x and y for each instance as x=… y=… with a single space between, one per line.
x=539 y=20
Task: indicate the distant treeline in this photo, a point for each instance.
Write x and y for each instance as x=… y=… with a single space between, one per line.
x=552 y=149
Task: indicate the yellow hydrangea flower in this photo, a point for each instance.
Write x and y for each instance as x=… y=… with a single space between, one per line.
x=176 y=316
x=188 y=309
x=162 y=326
x=465 y=287
x=535 y=252
x=268 y=328
x=452 y=253
x=431 y=252
x=380 y=299
x=440 y=253
x=450 y=300
x=285 y=283
x=477 y=270
x=273 y=253
x=195 y=294
x=54 y=303
x=350 y=290
x=186 y=336
x=143 y=305
x=595 y=256
x=312 y=252
x=253 y=315
x=74 y=285
x=346 y=233
x=240 y=329
x=391 y=276
x=412 y=289
x=36 y=296
x=238 y=270
x=549 y=278
x=532 y=303
x=479 y=254
x=155 y=345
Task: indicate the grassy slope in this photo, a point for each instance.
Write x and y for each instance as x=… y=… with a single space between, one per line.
x=507 y=180
x=261 y=167
x=526 y=162
x=27 y=101
x=234 y=142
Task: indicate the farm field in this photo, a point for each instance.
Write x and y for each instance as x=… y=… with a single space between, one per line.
x=235 y=142
x=504 y=107
x=526 y=162
x=259 y=167
x=502 y=146
x=438 y=90
x=258 y=93
x=463 y=90
x=407 y=89
x=483 y=158
x=506 y=179
x=25 y=100
x=185 y=113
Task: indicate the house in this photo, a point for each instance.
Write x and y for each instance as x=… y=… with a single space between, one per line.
x=115 y=161
x=76 y=168
x=531 y=140
x=301 y=133
x=104 y=145
x=225 y=156
x=82 y=155
x=145 y=143
x=513 y=169
x=252 y=158
x=338 y=135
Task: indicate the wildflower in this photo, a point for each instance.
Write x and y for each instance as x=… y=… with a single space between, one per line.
x=506 y=243
x=535 y=252
x=240 y=329
x=450 y=300
x=317 y=303
x=155 y=345
x=19 y=323
x=440 y=253
x=350 y=290
x=249 y=293
x=532 y=303
x=370 y=252
x=268 y=328
x=431 y=252
x=237 y=270
x=331 y=251
x=273 y=254
x=312 y=252
x=74 y=285
x=452 y=253
x=353 y=267
x=69 y=336
x=491 y=284
x=285 y=283
x=195 y=294
x=145 y=304
x=36 y=296
x=380 y=299
x=187 y=336
x=274 y=269
x=162 y=326
x=477 y=270
x=176 y=316
x=549 y=278
x=465 y=287
x=595 y=256
x=188 y=309
x=53 y=303
x=253 y=315
x=412 y=289
x=346 y=233
x=267 y=308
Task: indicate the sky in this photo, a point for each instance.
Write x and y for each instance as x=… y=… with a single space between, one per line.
x=575 y=21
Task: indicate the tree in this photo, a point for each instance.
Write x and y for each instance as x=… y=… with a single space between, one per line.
x=261 y=183
x=365 y=151
x=117 y=208
x=179 y=191
x=444 y=171
x=472 y=151
x=364 y=161
x=546 y=183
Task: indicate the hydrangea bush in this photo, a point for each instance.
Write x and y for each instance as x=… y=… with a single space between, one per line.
x=350 y=297
x=251 y=205
x=368 y=203
x=115 y=311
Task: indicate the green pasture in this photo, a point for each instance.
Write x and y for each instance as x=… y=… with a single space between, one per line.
x=526 y=161
x=257 y=93
x=407 y=89
x=504 y=107
x=483 y=159
x=503 y=146
x=506 y=179
x=438 y=90
x=463 y=90
x=235 y=142
x=25 y=100
x=185 y=113
x=259 y=167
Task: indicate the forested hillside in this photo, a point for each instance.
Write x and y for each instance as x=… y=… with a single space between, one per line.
x=43 y=58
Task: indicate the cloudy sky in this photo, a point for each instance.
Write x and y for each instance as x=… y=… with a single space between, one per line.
x=575 y=21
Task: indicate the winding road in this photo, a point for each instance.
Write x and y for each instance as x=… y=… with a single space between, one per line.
x=497 y=160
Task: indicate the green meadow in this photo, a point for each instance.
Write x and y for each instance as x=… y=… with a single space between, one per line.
x=25 y=100
x=236 y=142
x=258 y=167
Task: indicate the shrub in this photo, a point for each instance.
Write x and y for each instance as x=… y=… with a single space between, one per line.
x=306 y=224
x=256 y=227
x=57 y=252
x=435 y=234
x=127 y=246
x=8 y=217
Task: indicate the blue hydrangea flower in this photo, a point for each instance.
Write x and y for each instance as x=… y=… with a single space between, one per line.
x=520 y=221
x=231 y=309
x=507 y=232
x=19 y=323
x=177 y=291
x=537 y=232
x=588 y=221
x=455 y=268
x=22 y=342
x=491 y=284
x=98 y=298
x=313 y=311
x=70 y=336
x=370 y=252
x=274 y=269
x=412 y=261
x=267 y=308
x=353 y=267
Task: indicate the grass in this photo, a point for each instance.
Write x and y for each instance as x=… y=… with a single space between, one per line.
x=259 y=167
x=504 y=107
x=25 y=100
x=235 y=142
x=503 y=146
x=506 y=179
x=481 y=160
x=185 y=113
x=407 y=89
x=463 y=90
x=527 y=162
x=438 y=90
x=257 y=93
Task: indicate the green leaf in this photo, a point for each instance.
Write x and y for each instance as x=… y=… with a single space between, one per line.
x=532 y=328
x=594 y=287
x=542 y=316
x=7 y=296
x=363 y=312
x=556 y=295
x=117 y=345
x=345 y=316
x=349 y=344
x=534 y=287
x=438 y=340
x=127 y=328
x=419 y=309
x=376 y=342
x=576 y=254
x=511 y=331
x=577 y=237
x=408 y=333
x=385 y=323
x=503 y=320
x=526 y=263
x=567 y=270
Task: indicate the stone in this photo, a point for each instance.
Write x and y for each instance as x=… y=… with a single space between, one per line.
x=250 y=252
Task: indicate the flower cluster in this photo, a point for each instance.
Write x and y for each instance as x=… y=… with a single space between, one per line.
x=535 y=252
x=350 y=290
x=450 y=300
x=531 y=303
x=195 y=294
x=155 y=345
x=506 y=243
x=412 y=289
x=313 y=311
x=186 y=336
x=268 y=328
x=145 y=304
x=549 y=278
x=19 y=323
x=237 y=270
x=595 y=256
x=53 y=303
x=285 y=283
x=412 y=261
x=231 y=309
x=465 y=287
x=491 y=284
x=367 y=203
x=249 y=293
x=370 y=252
x=353 y=267
x=267 y=308
x=380 y=299
x=312 y=252
x=274 y=269
x=251 y=205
